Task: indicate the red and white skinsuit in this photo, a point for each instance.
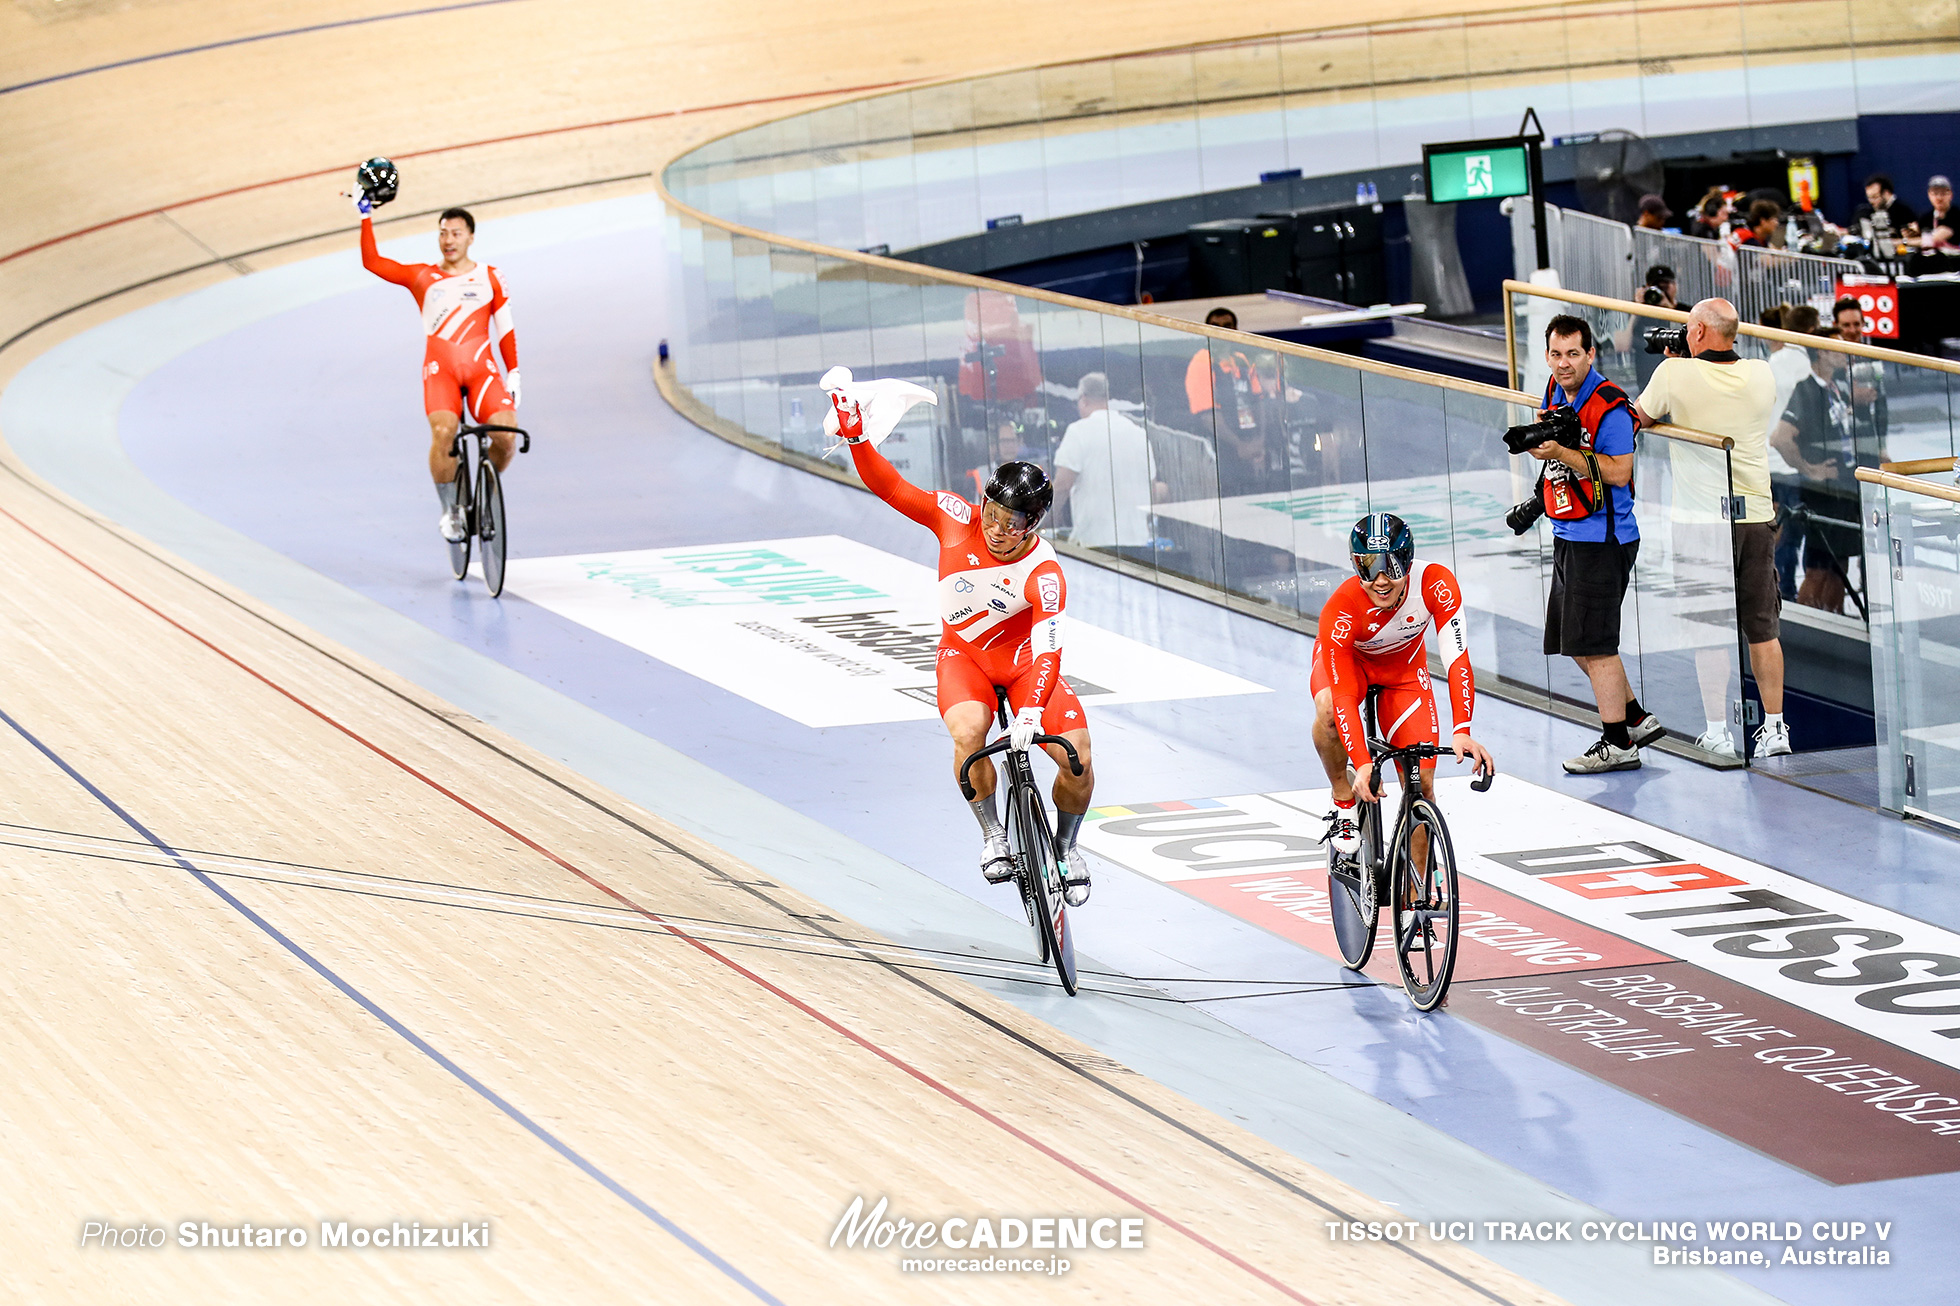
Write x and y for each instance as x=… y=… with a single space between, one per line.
x=466 y=316
x=1000 y=622
x=1362 y=645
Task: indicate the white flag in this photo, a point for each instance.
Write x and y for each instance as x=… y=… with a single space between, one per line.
x=883 y=403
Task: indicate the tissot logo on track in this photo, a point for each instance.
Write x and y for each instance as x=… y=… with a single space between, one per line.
x=1814 y=1027
x=1627 y=884
x=1862 y=965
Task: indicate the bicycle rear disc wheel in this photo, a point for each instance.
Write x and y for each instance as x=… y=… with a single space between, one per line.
x=459 y=551
x=1058 y=940
x=1351 y=897
x=1424 y=905
x=490 y=525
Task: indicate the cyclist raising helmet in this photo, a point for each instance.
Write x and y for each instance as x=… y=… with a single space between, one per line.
x=1000 y=606
x=466 y=317
x=1372 y=633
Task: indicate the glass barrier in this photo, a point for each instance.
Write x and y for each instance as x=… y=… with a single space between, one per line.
x=1233 y=463
x=924 y=165
x=1915 y=603
x=1838 y=409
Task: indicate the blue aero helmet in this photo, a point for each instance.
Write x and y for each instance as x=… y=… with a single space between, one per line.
x=1381 y=544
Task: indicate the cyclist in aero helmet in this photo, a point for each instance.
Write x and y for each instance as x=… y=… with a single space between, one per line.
x=1001 y=595
x=1372 y=632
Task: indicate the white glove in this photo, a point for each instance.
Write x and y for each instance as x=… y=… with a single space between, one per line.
x=363 y=205
x=510 y=384
x=1026 y=725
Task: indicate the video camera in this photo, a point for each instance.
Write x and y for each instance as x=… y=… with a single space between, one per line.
x=1559 y=424
x=1671 y=339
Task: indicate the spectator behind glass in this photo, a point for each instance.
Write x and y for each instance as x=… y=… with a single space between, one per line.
x=1253 y=459
x=1871 y=414
x=1814 y=433
x=1105 y=472
x=1936 y=224
x=1790 y=364
x=1654 y=213
x=1217 y=366
x=1006 y=447
x=1888 y=214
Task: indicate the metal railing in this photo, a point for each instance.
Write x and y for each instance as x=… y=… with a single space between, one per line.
x=1598 y=256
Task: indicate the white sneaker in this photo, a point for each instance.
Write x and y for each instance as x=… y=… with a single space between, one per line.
x=1773 y=739
x=1343 y=835
x=453 y=527
x=1603 y=756
x=995 y=862
x=1717 y=742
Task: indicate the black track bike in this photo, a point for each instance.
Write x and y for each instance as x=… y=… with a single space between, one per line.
x=481 y=497
x=1037 y=870
x=1415 y=877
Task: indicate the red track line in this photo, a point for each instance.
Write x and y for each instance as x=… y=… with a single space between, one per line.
x=445 y=149
x=829 y=1022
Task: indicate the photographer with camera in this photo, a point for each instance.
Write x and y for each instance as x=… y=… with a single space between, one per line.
x=1715 y=391
x=1585 y=439
x=1658 y=290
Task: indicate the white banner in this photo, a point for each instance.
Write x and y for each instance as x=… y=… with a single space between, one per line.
x=821 y=629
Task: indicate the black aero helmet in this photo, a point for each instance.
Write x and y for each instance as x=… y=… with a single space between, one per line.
x=1023 y=488
x=1381 y=542
x=378 y=180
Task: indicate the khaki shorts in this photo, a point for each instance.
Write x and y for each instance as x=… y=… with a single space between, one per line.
x=1752 y=558
x=1757 y=599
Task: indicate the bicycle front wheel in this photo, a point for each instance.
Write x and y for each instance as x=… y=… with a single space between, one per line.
x=1351 y=898
x=490 y=525
x=1423 y=900
x=1044 y=878
x=459 y=552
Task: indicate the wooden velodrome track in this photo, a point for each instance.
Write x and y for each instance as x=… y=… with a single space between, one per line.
x=288 y=939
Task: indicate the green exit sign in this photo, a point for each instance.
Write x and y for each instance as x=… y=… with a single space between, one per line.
x=1476 y=170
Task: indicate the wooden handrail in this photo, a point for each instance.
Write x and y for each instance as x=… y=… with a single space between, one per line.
x=1931 y=489
x=1748 y=328
x=1918 y=466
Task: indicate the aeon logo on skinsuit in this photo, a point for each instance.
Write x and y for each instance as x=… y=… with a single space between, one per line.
x=1051 y=592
